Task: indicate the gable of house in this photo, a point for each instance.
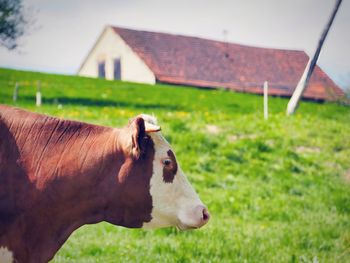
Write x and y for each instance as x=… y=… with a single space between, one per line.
x=112 y=58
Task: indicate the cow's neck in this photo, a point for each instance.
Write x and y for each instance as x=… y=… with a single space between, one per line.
x=72 y=201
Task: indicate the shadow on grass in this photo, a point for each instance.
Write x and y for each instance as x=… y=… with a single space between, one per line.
x=99 y=103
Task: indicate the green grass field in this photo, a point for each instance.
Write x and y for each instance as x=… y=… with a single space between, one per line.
x=277 y=190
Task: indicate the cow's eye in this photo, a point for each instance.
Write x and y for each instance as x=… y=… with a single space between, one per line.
x=166 y=162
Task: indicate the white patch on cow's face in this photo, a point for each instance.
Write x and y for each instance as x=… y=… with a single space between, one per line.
x=174 y=203
x=6 y=256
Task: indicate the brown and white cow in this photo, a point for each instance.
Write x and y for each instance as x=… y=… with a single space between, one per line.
x=57 y=175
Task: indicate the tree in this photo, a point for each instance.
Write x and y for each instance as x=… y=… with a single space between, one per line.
x=12 y=23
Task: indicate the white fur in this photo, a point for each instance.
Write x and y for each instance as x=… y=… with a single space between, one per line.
x=6 y=256
x=172 y=202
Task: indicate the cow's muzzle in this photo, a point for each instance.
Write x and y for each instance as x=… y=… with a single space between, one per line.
x=195 y=218
x=203 y=214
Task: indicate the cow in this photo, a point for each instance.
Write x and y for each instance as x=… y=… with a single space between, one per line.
x=57 y=175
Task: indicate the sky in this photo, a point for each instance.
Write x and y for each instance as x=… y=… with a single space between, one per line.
x=63 y=31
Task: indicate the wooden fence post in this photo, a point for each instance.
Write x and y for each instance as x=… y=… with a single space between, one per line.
x=15 y=92
x=266 y=106
x=38 y=96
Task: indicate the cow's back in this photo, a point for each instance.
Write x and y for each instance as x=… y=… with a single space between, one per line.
x=33 y=149
x=47 y=165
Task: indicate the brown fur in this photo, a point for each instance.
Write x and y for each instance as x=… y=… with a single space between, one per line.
x=57 y=175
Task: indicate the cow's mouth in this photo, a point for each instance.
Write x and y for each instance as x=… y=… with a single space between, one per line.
x=184 y=227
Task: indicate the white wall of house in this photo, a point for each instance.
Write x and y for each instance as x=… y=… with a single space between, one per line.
x=109 y=47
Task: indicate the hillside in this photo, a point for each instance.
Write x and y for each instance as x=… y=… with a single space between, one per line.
x=278 y=190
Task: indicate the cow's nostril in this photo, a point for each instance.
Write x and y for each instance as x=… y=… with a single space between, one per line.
x=206 y=215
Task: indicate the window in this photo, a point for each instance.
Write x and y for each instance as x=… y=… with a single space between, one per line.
x=117 y=69
x=102 y=69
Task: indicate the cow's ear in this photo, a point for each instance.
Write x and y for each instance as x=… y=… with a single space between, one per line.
x=150 y=123
x=138 y=134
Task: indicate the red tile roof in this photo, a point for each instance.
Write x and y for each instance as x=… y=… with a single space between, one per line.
x=201 y=62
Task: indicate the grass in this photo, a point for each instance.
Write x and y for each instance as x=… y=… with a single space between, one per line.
x=276 y=189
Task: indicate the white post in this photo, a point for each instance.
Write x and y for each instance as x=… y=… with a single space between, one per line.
x=38 y=96
x=266 y=106
x=15 y=92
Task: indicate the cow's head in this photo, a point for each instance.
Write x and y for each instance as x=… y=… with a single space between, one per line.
x=170 y=196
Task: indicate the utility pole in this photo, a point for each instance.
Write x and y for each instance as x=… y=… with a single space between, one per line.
x=302 y=84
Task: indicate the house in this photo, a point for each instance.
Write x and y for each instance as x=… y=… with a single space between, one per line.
x=150 y=57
